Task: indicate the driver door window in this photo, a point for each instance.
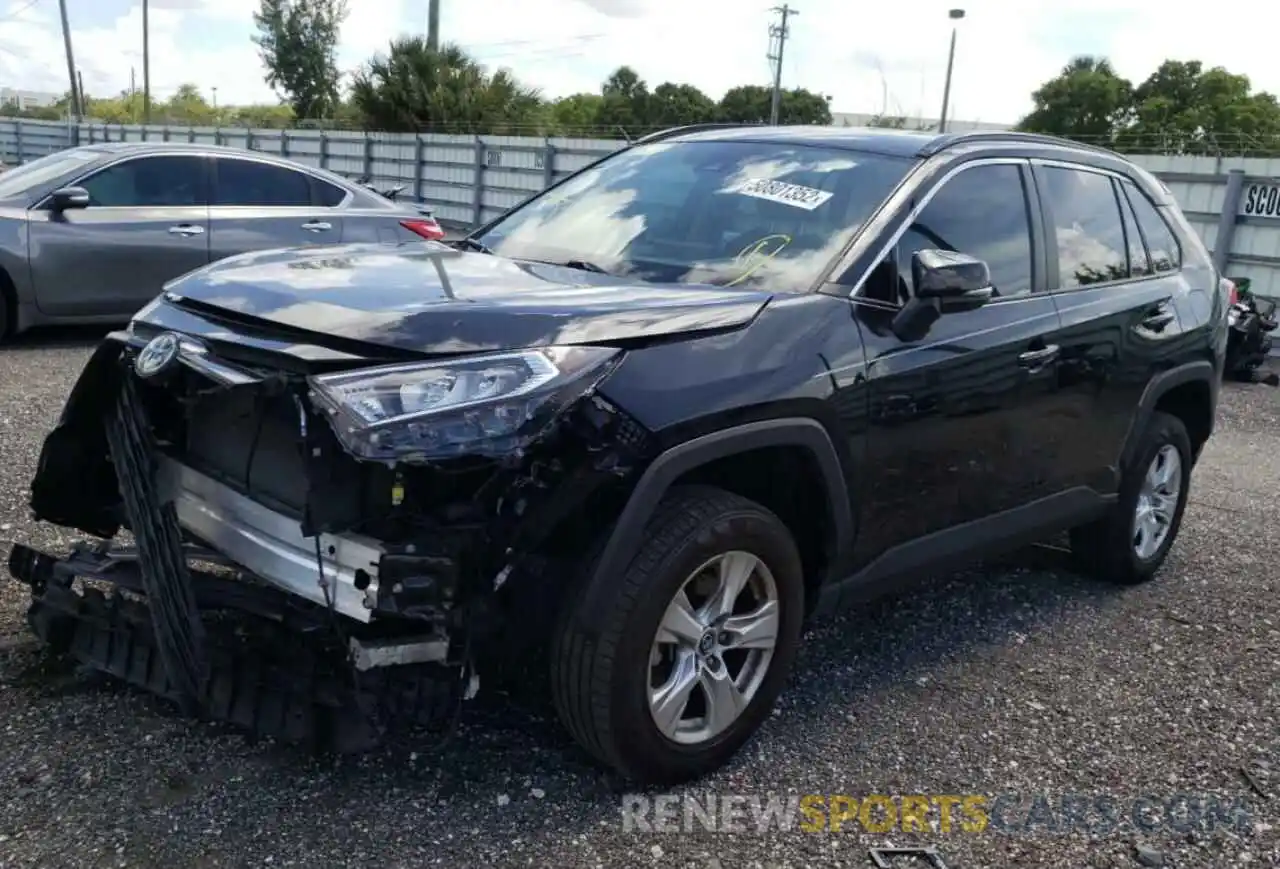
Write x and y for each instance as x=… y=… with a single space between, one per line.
x=981 y=212
x=149 y=182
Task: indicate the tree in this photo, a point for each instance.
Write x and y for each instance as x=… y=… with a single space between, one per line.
x=674 y=105
x=888 y=122
x=751 y=104
x=298 y=42
x=625 y=101
x=413 y=88
x=1183 y=108
x=578 y=113
x=1086 y=101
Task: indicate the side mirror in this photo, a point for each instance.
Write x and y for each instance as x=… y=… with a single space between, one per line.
x=67 y=198
x=944 y=281
x=957 y=280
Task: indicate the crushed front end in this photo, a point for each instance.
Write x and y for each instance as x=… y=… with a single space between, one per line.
x=320 y=537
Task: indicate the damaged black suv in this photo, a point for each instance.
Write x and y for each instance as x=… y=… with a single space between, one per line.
x=619 y=444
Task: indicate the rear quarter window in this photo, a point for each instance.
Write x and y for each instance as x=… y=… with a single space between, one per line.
x=1162 y=244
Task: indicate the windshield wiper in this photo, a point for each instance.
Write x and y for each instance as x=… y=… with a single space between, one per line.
x=584 y=266
x=472 y=244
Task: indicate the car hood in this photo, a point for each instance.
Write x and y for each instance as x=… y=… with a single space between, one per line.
x=429 y=298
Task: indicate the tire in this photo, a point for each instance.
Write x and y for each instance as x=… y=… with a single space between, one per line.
x=601 y=679
x=8 y=308
x=1108 y=548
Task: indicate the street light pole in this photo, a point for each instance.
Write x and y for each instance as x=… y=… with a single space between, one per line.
x=146 y=63
x=954 y=15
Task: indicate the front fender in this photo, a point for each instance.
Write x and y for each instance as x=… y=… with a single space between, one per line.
x=75 y=484
x=628 y=532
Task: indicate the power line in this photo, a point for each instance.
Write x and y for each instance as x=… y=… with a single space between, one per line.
x=15 y=13
x=778 y=34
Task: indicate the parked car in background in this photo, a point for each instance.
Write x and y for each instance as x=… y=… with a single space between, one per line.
x=91 y=234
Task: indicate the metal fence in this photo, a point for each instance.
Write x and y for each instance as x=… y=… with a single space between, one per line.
x=1233 y=202
x=467 y=180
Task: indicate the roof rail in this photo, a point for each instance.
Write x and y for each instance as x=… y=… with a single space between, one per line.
x=946 y=140
x=659 y=135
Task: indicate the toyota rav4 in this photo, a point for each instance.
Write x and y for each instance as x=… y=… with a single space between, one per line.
x=618 y=445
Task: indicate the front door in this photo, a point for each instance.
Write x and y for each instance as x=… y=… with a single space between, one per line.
x=147 y=222
x=259 y=205
x=956 y=423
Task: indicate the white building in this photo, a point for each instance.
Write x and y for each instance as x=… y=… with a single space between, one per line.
x=25 y=99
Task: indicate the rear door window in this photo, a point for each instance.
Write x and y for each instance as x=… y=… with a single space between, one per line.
x=251 y=183
x=1085 y=225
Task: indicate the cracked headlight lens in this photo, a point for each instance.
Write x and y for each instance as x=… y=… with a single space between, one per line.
x=474 y=405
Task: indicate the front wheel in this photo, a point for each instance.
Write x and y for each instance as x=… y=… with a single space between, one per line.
x=1128 y=546
x=694 y=645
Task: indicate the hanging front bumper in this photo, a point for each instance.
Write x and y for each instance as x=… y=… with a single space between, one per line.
x=271 y=545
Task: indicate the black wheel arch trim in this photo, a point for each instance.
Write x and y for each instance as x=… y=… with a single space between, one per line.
x=627 y=534
x=1159 y=385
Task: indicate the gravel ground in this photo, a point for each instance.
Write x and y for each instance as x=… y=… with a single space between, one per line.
x=1018 y=678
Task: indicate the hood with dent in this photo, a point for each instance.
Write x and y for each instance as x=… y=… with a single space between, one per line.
x=433 y=299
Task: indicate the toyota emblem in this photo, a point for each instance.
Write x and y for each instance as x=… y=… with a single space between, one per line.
x=160 y=353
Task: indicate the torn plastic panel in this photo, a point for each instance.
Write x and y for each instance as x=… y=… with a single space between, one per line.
x=491 y=405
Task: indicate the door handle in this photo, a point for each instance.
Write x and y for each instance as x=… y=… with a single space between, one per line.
x=1034 y=360
x=1157 y=320
x=186 y=229
x=317 y=226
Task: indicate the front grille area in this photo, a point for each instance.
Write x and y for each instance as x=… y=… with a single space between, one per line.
x=251 y=442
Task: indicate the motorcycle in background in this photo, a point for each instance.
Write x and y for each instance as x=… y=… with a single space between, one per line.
x=1250 y=322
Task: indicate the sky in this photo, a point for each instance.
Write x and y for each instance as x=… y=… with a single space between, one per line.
x=869 y=56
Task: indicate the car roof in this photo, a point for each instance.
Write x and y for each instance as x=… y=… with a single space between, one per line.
x=169 y=147
x=876 y=140
x=898 y=143
x=116 y=149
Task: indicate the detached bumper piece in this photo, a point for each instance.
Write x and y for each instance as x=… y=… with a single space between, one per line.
x=163 y=569
x=274 y=666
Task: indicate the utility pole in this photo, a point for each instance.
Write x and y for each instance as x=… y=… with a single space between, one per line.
x=433 y=24
x=778 y=34
x=146 y=63
x=71 y=60
x=954 y=15
x=84 y=100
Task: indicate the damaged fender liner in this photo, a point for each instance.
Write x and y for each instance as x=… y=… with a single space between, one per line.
x=292 y=684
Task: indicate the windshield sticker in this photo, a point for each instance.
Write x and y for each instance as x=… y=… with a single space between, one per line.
x=796 y=195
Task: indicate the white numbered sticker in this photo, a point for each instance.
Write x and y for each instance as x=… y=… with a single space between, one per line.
x=796 y=195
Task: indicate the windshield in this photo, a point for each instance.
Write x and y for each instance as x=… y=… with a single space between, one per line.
x=728 y=213
x=28 y=176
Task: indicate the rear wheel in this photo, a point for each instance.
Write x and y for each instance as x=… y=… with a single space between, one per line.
x=1129 y=544
x=693 y=646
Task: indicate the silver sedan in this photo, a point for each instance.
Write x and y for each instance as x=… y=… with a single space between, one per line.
x=91 y=234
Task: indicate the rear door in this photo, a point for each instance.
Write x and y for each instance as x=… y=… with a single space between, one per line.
x=1115 y=275
x=959 y=428
x=147 y=222
x=257 y=205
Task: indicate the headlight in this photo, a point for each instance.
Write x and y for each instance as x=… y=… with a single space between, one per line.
x=475 y=405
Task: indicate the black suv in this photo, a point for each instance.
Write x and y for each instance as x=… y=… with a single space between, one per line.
x=619 y=444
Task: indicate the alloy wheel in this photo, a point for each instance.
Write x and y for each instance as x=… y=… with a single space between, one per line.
x=1157 y=502
x=713 y=647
